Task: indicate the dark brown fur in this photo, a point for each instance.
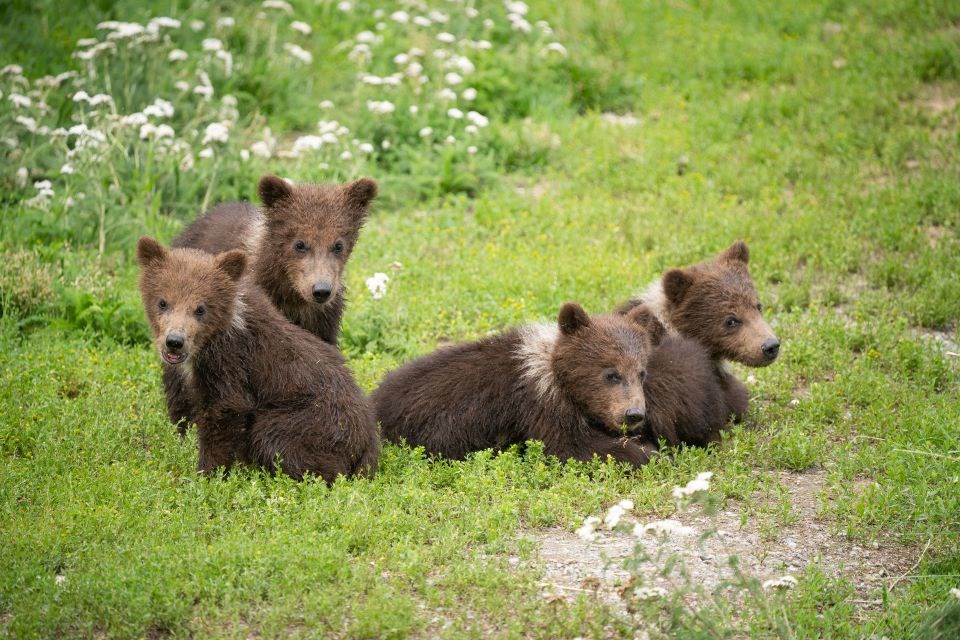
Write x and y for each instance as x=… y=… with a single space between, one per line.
x=326 y=219
x=262 y=387
x=714 y=314
x=541 y=383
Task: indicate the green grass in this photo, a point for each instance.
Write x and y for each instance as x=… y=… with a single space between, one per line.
x=834 y=153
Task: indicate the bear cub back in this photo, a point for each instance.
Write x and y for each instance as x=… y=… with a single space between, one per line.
x=264 y=390
x=577 y=386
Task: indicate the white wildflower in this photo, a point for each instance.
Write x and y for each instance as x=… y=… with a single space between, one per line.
x=426 y=132
x=616 y=512
x=414 y=109
x=162 y=22
x=261 y=149
x=700 y=483
x=81 y=96
x=783 y=582
x=226 y=22
x=95 y=50
x=422 y=21
x=307 y=143
x=556 y=47
x=44 y=189
x=343 y=5
x=415 y=69
x=664 y=528
x=462 y=63
x=369 y=78
x=301 y=27
x=367 y=37
x=13 y=70
x=400 y=16
x=447 y=94
x=20 y=100
x=484 y=45
x=197 y=25
x=212 y=44
x=472 y=150
x=298 y=52
x=385 y=144
x=227 y=58
x=67 y=169
x=177 y=55
x=360 y=53
x=449 y=140
x=380 y=106
x=416 y=52
x=588 y=531
x=366 y=147
x=28 y=123
x=401 y=58
x=519 y=24
x=216 y=132
x=446 y=37
x=205 y=153
x=181 y=85
x=23 y=176
x=471 y=129
x=326 y=104
x=159 y=109
x=794 y=402
x=346 y=155
x=279 y=5
x=469 y=94
x=471 y=12
x=123 y=30
x=955 y=592
x=519 y=8
x=478 y=119
x=453 y=78
x=455 y=113
x=377 y=284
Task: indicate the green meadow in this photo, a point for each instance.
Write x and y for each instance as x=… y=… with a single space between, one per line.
x=527 y=155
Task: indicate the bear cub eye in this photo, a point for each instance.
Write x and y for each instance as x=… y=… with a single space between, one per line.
x=200 y=311
x=162 y=304
x=338 y=246
x=612 y=376
x=643 y=376
x=300 y=246
x=760 y=307
x=731 y=322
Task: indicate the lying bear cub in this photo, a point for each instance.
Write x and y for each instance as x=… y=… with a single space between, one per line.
x=577 y=386
x=264 y=390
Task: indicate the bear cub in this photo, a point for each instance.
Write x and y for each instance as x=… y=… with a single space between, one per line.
x=711 y=313
x=576 y=385
x=264 y=390
x=299 y=243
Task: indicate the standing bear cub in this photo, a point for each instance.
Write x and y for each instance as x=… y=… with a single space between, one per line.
x=576 y=386
x=264 y=390
x=711 y=313
x=299 y=243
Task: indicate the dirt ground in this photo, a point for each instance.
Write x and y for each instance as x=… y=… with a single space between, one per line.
x=573 y=566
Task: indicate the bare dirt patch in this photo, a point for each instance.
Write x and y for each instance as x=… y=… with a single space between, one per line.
x=573 y=566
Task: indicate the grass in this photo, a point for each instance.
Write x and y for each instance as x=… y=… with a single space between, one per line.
x=825 y=134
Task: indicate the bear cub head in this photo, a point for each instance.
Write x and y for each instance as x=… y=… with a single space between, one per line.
x=189 y=296
x=310 y=231
x=600 y=363
x=716 y=303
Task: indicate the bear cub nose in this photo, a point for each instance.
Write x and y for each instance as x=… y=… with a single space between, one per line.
x=174 y=341
x=322 y=291
x=770 y=348
x=634 y=416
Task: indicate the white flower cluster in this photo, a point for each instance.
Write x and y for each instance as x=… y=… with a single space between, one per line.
x=783 y=582
x=377 y=284
x=700 y=483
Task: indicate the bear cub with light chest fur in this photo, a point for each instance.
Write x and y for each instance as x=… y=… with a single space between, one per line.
x=299 y=243
x=575 y=385
x=262 y=388
x=711 y=313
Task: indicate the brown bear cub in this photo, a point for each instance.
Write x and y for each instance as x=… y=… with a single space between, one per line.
x=576 y=386
x=711 y=314
x=264 y=390
x=299 y=242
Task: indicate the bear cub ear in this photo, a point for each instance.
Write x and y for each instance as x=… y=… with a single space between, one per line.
x=360 y=193
x=233 y=263
x=572 y=318
x=737 y=252
x=648 y=323
x=273 y=189
x=150 y=251
x=676 y=283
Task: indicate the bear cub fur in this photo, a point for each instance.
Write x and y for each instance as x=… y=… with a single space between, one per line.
x=576 y=386
x=299 y=243
x=711 y=313
x=263 y=388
